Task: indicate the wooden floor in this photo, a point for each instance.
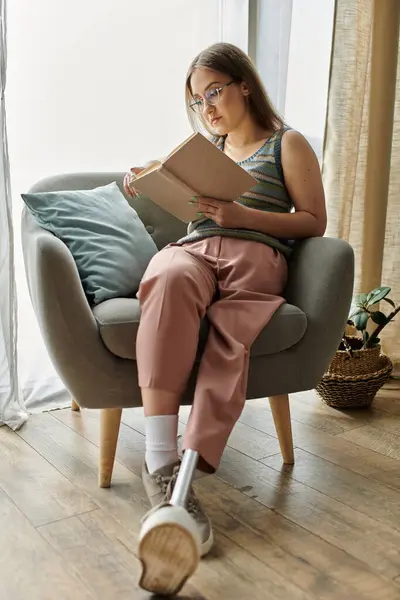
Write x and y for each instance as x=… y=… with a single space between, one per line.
x=327 y=528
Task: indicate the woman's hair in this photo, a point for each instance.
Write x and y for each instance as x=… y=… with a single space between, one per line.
x=230 y=60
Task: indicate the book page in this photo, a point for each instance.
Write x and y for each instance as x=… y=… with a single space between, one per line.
x=156 y=165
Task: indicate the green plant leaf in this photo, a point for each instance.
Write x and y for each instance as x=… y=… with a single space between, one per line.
x=379 y=317
x=360 y=299
x=389 y=301
x=361 y=320
x=356 y=310
x=365 y=336
x=377 y=295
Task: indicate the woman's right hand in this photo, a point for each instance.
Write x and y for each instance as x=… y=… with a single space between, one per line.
x=129 y=179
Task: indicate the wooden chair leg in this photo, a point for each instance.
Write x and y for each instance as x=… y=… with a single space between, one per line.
x=74 y=405
x=281 y=414
x=110 y=420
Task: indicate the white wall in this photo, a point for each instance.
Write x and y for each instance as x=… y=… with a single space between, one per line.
x=98 y=84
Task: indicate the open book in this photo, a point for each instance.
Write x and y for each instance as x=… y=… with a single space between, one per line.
x=195 y=168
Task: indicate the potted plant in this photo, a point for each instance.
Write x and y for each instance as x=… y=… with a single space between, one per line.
x=359 y=368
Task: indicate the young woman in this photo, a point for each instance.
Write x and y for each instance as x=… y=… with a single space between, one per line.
x=231 y=267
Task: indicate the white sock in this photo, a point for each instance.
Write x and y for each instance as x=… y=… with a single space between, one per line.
x=161 y=441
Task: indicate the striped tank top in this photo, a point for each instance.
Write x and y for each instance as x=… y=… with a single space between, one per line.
x=269 y=194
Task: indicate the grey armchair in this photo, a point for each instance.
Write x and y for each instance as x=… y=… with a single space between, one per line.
x=93 y=349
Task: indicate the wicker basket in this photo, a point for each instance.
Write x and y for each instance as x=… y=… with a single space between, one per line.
x=340 y=389
x=355 y=361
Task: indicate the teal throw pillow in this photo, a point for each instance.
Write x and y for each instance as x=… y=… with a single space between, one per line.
x=104 y=234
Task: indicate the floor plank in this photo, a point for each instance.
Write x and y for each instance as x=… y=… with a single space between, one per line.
x=77 y=459
x=127 y=504
x=131 y=443
x=110 y=569
x=390 y=423
x=253 y=443
x=326 y=529
x=327 y=518
x=344 y=453
x=245 y=575
x=317 y=415
x=366 y=496
x=376 y=439
x=34 y=485
x=124 y=454
x=92 y=548
x=248 y=466
x=282 y=589
x=334 y=448
x=303 y=558
x=28 y=566
x=387 y=399
x=384 y=411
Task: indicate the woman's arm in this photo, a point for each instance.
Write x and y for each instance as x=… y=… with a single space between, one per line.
x=304 y=184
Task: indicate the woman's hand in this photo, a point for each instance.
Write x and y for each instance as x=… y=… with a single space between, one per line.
x=225 y=214
x=129 y=179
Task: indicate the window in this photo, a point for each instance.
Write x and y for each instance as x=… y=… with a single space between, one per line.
x=92 y=86
x=308 y=68
x=290 y=41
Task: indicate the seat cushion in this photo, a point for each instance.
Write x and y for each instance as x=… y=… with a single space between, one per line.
x=119 y=318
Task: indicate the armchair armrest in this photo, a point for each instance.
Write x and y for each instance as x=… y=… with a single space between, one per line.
x=67 y=323
x=321 y=277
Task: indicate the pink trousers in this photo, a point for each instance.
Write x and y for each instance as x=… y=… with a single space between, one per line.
x=238 y=284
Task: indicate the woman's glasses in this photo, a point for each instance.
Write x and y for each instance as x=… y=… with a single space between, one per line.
x=211 y=97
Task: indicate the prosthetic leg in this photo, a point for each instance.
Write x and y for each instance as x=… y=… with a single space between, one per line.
x=169 y=544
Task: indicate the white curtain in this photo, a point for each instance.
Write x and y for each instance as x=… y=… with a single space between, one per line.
x=12 y=412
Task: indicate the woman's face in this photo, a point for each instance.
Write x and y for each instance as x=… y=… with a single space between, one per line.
x=226 y=107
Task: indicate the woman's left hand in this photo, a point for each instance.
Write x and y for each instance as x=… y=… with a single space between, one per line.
x=225 y=214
